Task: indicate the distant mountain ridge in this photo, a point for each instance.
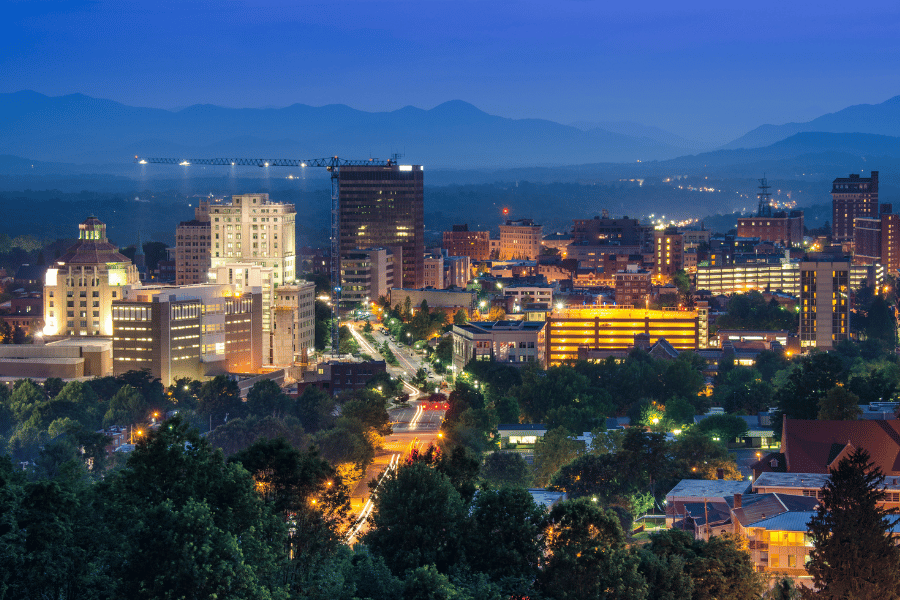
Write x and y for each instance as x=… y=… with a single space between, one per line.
x=883 y=119
x=81 y=129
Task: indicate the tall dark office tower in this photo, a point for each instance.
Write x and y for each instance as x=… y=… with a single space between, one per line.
x=382 y=206
x=852 y=197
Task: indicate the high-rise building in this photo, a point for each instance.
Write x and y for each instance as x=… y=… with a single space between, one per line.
x=669 y=252
x=246 y=276
x=251 y=229
x=877 y=240
x=462 y=242
x=366 y=274
x=192 y=252
x=606 y=230
x=192 y=331
x=80 y=287
x=824 y=303
x=520 y=239
x=457 y=271
x=293 y=323
x=383 y=206
x=852 y=197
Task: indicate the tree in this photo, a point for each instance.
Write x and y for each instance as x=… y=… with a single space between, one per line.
x=552 y=451
x=427 y=583
x=506 y=468
x=679 y=411
x=460 y=317
x=314 y=408
x=854 y=556
x=504 y=537
x=726 y=427
x=807 y=381
x=839 y=404
x=126 y=407
x=595 y=476
x=417 y=519
x=720 y=568
x=220 y=399
x=587 y=557
x=266 y=398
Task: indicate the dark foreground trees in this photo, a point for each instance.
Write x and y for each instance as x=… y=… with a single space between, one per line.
x=854 y=556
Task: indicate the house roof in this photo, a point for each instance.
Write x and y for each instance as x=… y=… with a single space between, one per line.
x=812 y=446
x=708 y=488
x=759 y=507
x=791 y=480
x=789 y=521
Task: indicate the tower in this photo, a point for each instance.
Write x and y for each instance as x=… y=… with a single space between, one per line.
x=765 y=199
x=382 y=206
x=852 y=197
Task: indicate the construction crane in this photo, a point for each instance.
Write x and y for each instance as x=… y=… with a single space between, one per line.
x=332 y=164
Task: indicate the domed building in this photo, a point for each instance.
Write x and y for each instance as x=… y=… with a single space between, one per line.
x=79 y=288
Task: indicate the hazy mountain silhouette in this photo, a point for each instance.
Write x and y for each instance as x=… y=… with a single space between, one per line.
x=632 y=129
x=80 y=129
x=881 y=119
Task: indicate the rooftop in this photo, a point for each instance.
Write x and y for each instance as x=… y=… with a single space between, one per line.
x=708 y=488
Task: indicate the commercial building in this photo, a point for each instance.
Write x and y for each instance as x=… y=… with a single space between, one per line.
x=382 y=206
x=612 y=328
x=462 y=242
x=877 y=240
x=434 y=271
x=593 y=255
x=622 y=231
x=293 y=323
x=366 y=274
x=335 y=377
x=824 y=303
x=522 y=295
x=785 y=228
x=774 y=275
x=520 y=240
x=71 y=358
x=251 y=229
x=190 y=331
x=192 y=251
x=513 y=342
x=247 y=276
x=852 y=197
x=448 y=300
x=457 y=271
x=668 y=252
x=80 y=287
x=632 y=286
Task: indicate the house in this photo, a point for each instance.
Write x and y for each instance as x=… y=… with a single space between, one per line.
x=817 y=446
x=700 y=491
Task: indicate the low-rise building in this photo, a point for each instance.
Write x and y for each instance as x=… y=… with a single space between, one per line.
x=632 y=286
x=72 y=358
x=335 y=377
x=513 y=342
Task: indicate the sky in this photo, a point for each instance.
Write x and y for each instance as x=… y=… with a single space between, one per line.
x=707 y=71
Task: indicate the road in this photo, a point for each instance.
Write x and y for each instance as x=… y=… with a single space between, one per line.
x=413 y=426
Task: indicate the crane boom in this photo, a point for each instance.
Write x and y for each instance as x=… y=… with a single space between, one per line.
x=333 y=164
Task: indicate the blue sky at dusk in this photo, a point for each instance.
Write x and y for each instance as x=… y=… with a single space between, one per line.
x=708 y=71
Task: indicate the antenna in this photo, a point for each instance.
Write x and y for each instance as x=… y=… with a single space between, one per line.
x=765 y=198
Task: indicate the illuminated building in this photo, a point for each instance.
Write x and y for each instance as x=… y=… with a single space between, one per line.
x=852 y=197
x=623 y=232
x=514 y=342
x=877 y=240
x=293 y=323
x=382 y=206
x=366 y=274
x=610 y=328
x=192 y=252
x=462 y=242
x=251 y=229
x=669 y=252
x=824 y=303
x=80 y=287
x=434 y=271
x=771 y=276
x=632 y=286
x=245 y=276
x=520 y=240
x=194 y=331
x=781 y=227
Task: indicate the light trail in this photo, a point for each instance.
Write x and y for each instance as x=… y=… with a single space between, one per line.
x=370 y=506
x=414 y=422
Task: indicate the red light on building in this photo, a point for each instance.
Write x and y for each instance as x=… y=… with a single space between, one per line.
x=505 y=211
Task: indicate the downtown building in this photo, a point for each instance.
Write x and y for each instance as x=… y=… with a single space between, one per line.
x=521 y=239
x=194 y=332
x=382 y=206
x=853 y=197
x=462 y=242
x=877 y=240
x=193 y=246
x=824 y=303
x=80 y=287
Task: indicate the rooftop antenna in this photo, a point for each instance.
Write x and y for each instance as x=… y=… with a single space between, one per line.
x=765 y=198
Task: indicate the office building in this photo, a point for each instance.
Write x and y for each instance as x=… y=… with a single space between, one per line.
x=382 y=206
x=457 y=271
x=824 y=303
x=773 y=274
x=293 y=323
x=852 y=197
x=462 y=242
x=193 y=331
x=632 y=286
x=251 y=229
x=192 y=252
x=80 y=287
x=668 y=253
x=434 y=271
x=513 y=342
x=366 y=275
x=785 y=228
x=520 y=240
x=877 y=240
x=571 y=331
x=604 y=230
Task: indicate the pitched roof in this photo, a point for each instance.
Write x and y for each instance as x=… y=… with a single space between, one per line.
x=708 y=488
x=92 y=252
x=810 y=446
x=789 y=521
x=759 y=507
